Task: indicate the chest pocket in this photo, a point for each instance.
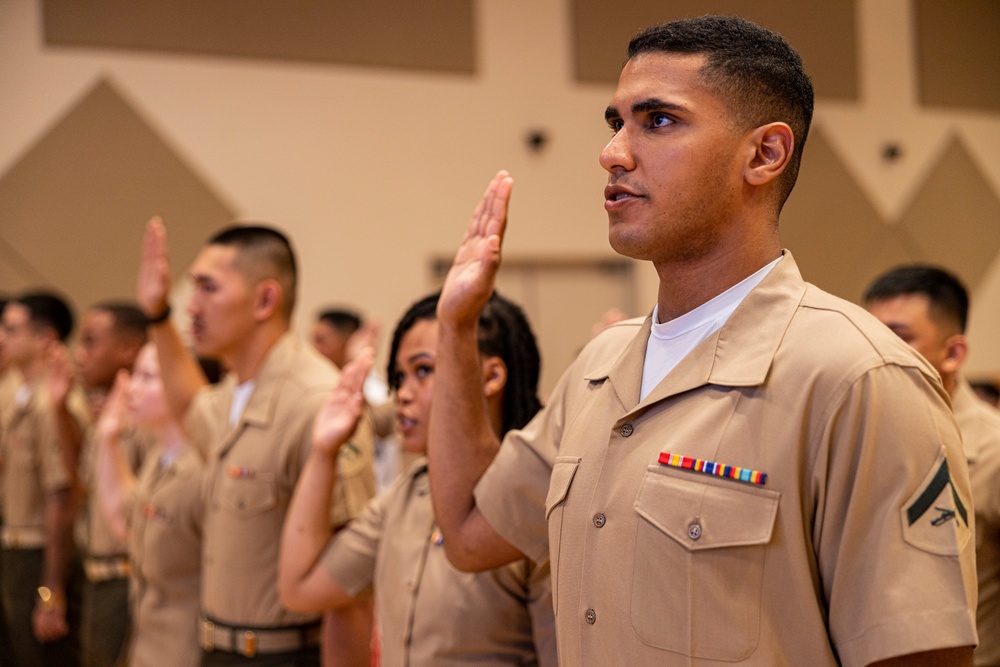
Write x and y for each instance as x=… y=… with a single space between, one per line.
x=699 y=563
x=248 y=497
x=563 y=472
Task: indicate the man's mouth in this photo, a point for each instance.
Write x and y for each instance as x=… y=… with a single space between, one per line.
x=615 y=193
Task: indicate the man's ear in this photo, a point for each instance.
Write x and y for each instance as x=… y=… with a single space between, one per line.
x=956 y=350
x=771 y=146
x=267 y=298
x=494 y=376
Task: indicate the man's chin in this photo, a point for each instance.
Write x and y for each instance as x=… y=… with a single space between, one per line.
x=628 y=246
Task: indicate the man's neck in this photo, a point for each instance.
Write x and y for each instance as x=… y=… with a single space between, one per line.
x=950 y=383
x=246 y=361
x=687 y=284
x=33 y=371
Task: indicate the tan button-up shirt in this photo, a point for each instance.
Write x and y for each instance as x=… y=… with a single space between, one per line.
x=856 y=547
x=980 y=426
x=94 y=537
x=32 y=461
x=430 y=614
x=252 y=471
x=165 y=547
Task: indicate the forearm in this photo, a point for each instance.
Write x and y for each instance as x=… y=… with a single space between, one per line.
x=116 y=482
x=347 y=634
x=70 y=433
x=304 y=537
x=461 y=441
x=950 y=657
x=182 y=376
x=58 y=540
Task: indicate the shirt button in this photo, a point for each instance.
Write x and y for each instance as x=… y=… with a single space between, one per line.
x=599 y=520
x=626 y=430
x=694 y=531
x=591 y=616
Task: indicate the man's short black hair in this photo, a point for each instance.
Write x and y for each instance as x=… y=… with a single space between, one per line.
x=758 y=75
x=949 y=300
x=344 y=321
x=48 y=310
x=126 y=317
x=263 y=252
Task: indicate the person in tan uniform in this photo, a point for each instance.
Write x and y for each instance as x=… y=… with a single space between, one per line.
x=758 y=473
x=254 y=431
x=159 y=512
x=429 y=613
x=928 y=307
x=37 y=541
x=111 y=335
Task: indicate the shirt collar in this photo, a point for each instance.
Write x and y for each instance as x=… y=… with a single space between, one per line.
x=737 y=355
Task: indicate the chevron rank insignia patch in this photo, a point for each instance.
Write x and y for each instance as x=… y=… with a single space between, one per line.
x=936 y=518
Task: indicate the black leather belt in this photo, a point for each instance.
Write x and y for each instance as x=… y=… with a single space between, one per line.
x=215 y=636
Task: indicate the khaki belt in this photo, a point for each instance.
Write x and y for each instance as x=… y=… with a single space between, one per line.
x=106 y=568
x=249 y=642
x=22 y=538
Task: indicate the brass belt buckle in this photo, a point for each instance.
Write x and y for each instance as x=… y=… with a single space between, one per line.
x=207 y=635
x=249 y=643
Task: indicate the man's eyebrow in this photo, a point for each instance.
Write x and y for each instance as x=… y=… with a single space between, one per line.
x=656 y=104
x=645 y=106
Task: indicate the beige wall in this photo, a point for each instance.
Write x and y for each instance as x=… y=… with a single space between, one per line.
x=374 y=171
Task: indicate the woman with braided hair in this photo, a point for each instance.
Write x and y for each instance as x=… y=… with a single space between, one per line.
x=429 y=613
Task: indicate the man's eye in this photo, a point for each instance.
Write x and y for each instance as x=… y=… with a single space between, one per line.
x=615 y=125
x=661 y=120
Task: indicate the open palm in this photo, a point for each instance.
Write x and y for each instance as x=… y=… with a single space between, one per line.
x=473 y=273
x=341 y=411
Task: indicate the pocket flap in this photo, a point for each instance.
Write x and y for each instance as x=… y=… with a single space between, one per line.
x=563 y=471
x=699 y=512
x=246 y=498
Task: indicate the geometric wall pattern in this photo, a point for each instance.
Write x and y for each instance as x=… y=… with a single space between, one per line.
x=433 y=35
x=957 y=53
x=954 y=220
x=842 y=243
x=74 y=207
x=823 y=32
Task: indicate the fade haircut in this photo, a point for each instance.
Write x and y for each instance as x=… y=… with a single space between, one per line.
x=504 y=332
x=756 y=73
x=48 y=310
x=126 y=318
x=263 y=253
x=344 y=321
x=948 y=299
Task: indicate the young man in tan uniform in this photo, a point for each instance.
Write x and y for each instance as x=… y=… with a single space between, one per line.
x=254 y=430
x=111 y=335
x=756 y=474
x=37 y=534
x=928 y=308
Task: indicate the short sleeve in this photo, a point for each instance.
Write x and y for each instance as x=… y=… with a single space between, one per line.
x=350 y=556
x=894 y=522
x=511 y=493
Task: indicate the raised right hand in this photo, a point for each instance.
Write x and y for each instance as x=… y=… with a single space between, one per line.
x=337 y=419
x=472 y=276
x=153 y=284
x=112 y=420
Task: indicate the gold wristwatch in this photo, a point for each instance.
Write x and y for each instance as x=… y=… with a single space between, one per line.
x=47 y=600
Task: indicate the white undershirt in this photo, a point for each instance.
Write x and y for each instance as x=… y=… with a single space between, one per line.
x=22 y=396
x=241 y=396
x=671 y=341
